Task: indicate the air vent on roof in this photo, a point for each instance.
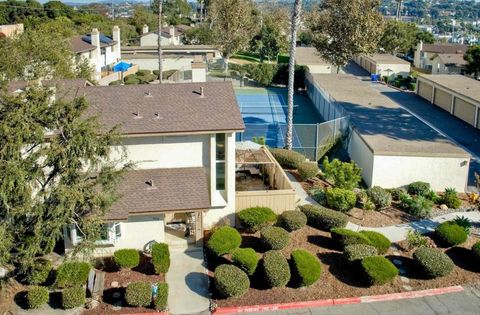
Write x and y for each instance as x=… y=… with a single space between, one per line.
x=136 y=115
x=151 y=184
x=201 y=92
x=157 y=116
x=148 y=94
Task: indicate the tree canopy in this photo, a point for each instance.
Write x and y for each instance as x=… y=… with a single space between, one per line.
x=472 y=56
x=175 y=11
x=398 y=37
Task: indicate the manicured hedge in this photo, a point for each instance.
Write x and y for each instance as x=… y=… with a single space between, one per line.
x=293 y=220
x=224 y=241
x=380 y=197
x=308 y=170
x=476 y=251
x=341 y=199
x=305 y=267
x=357 y=252
x=160 y=257
x=274 y=237
x=127 y=258
x=324 y=219
x=161 y=299
x=451 y=234
x=378 y=240
x=231 y=281
x=450 y=198
x=288 y=158
x=255 y=218
x=73 y=297
x=72 y=273
x=345 y=237
x=433 y=262
x=39 y=272
x=37 y=296
x=419 y=188
x=275 y=269
x=246 y=259
x=139 y=293
x=379 y=270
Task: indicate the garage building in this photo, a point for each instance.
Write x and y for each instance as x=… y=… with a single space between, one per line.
x=457 y=94
x=309 y=56
x=384 y=65
x=393 y=147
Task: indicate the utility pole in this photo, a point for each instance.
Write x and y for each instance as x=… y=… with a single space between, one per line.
x=160 y=77
x=399 y=10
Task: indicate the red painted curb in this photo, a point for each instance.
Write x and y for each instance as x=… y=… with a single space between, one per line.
x=412 y=294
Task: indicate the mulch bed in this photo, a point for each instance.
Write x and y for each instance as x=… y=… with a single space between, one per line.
x=339 y=280
x=144 y=272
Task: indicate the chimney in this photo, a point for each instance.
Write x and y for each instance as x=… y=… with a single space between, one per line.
x=116 y=37
x=145 y=29
x=172 y=31
x=96 y=53
x=95 y=38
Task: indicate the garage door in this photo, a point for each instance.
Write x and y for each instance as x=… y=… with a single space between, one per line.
x=373 y=68
x=443 y=99
x=465 y=111
x=425 y=90
x=478 y=118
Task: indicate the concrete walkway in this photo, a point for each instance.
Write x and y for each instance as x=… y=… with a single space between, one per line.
x=188 y=282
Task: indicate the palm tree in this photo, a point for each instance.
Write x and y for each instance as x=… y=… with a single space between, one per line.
x=160 y=67
x=291 y=71
x=200 y=2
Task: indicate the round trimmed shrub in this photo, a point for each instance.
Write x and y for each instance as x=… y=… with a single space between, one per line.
x=255 y=218
x=308 y=170
x=419 y=188
x=341 y=199
x=37 y=296
x=127 y=258
x=275 y=269
x=380 y=197
x=161 y=299
x=378 y=240
x=357 y=252
x=433 y=262
x=160 y=257
x=476 y=250
x=293 y=220
x=73 y=273
x=224 y=241
x=451 y=234
x=139 y=293
x=231 y=281
x=246 y=259
x=39 y=271
x=274 y=237
x=288 y=158
x=143 y=72
x=345 y=237
x=324 y=219
x=379 y=270
x=306 y=268
x=73 y=297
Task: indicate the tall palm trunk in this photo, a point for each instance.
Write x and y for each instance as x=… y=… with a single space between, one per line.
x=201 y=11
x=291 y=72
x=160 y=66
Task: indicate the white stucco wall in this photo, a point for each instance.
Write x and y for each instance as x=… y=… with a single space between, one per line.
x=152 y=40
x=397 y=69
x=315 y=69
x=168 y=63
x=199 y=75
x=440 y=172
x=362 y=155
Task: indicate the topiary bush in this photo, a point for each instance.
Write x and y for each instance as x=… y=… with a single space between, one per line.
x=324 y=219
x=224 y=241
x=341 y=199
x=72 y=273
x=274 y=237
x=418 y=205
x=160 y=257
x=308 y=170
x=161 y=300
x=380 y=197
x=117 y=82
x=139 y=293
x=476 y=251
x=143 y=72
x=37 y=296
x=451 y=234
x=306 y=268
x=230 y=281
x=131 y=81
x=379 y=270
x=378 y=240
x=345 y=237
x=39 y=271
x=342 y=174
x=293 y=220
x=433 y=262
x=255 y=218
x=287 y=158
x=450 y=198
x=73 y=297
x=356 y=252
x=418 y=188
x=126 y=258
x=275 y=269
x=246 y=259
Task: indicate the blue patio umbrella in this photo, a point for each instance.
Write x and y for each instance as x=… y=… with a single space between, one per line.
x=121 y=66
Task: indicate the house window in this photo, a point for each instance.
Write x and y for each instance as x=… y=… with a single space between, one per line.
x=109 y=233
x=220 y=161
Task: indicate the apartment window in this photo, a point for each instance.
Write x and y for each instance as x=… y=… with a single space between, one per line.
x=220 y=161
x=109 y=233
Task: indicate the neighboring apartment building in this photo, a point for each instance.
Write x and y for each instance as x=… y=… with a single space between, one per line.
x=170 y=36
x=182 y=139
x=439 y=58
x=384 y=65
x=309 y=57
x=9 y=30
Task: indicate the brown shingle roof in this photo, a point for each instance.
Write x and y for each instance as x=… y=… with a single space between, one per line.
x=79 y=45
x=173 y=189
x=166 y=108
x=452 y=59
x=445 y=48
